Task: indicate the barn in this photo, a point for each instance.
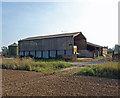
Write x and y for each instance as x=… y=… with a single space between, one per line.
x=66 y=45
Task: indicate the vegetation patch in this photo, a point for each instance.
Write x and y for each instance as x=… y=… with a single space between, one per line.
x=109 y=69
x=98 y=57
x=30 y=64
x=76 y=60
x=59 y=58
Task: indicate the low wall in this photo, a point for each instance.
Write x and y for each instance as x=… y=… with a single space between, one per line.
x=85 y=53
x=69 y=56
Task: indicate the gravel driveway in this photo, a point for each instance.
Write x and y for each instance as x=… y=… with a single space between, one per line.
x=87 y=63
x=91 y=61
x=26 y=83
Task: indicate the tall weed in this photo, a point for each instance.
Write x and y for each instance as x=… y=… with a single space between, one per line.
x=30 y=64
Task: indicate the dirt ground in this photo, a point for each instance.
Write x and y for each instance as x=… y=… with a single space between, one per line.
x=26 y=83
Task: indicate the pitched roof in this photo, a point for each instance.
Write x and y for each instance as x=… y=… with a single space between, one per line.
x=88 y=43
x=51 y=36
x=14 y=44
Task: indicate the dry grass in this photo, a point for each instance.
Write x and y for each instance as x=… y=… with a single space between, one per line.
x=30 y=64
x=109 y=69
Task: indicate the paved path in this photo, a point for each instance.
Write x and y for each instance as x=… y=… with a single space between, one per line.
x=86 y=63
x=91 y=62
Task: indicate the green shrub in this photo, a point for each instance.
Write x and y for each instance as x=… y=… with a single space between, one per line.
x=98 y=57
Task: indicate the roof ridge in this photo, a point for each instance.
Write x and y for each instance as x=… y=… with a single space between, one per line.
x=51 y=36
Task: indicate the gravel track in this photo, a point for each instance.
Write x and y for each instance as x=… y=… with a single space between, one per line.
x=26 y=83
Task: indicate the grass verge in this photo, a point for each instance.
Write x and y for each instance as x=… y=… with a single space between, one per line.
x=61 y=59
x=109 y=70
x=30 y=64
x=98 y=57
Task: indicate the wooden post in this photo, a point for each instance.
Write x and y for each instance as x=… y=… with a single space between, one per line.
x=23 y=53
x=64 y=52
x=35 y=53
x=99 y=52
x=102 y=51
x=56 y=53
x=29 y=53
x=48 y=53
x=41 y=53
x=95 y=52
x=113 y=55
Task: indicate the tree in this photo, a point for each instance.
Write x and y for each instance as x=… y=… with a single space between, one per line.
x=4 y=51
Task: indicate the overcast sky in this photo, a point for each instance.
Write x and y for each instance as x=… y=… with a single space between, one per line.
x=96 y=19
